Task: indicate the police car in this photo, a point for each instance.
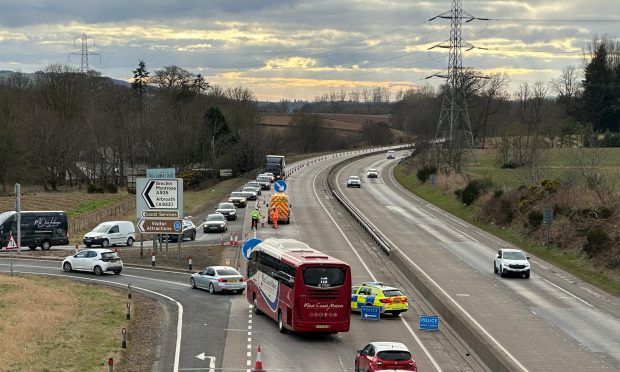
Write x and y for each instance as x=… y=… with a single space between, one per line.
x=390 y=299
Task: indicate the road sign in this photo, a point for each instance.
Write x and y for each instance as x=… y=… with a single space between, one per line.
x=160 y=173
x=11 y=244
x=371 y=312
x=429 y=323
x=547 y=216
x=247 y=247
x=161 y=194
x=279 y=186
x=160 y=226
x=160 y=214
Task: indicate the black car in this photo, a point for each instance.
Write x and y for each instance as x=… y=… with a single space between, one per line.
x=188 y=232
x=228 y=210
x=215 y=222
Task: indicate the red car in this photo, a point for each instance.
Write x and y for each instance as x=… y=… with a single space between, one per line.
x=381 y=356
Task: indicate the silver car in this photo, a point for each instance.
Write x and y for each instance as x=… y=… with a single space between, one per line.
x=256 y=185
x=264 y=181
x=250 y=193
x=354 y=181
x=218 y=279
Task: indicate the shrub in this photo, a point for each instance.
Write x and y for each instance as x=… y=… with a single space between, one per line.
x=473 y=190
x=605 y=213
x=94 y=189
x=596 y=241
x=612 y=140
x=111 y=188
x=535 y=218
x=509 y=165
x=500 y=208
x=425 y=172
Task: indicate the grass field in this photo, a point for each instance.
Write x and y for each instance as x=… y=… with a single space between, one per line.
x=58 y=325
x=559 y=163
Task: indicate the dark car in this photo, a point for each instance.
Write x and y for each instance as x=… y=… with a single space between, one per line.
x=228 y=210
x=215 y=222
x=188 y=232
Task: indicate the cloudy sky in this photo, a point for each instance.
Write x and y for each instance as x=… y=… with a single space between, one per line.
x=298 y=49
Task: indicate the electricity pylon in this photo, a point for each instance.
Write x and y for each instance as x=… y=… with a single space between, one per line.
x=84 y=52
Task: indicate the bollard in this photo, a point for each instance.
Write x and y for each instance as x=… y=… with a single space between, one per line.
x=124 y=338
x=190 y=263
x=222 y=239
x=111 y=365
x=76 y=249
x=129 y=291
x=152 y=258
x=128 y=311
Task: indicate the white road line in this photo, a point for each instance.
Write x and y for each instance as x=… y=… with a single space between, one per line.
x=570 y=294
x=374 y=279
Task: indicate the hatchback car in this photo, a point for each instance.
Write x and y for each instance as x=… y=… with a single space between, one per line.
x=511 y=262
x=228 y=210
x=238 y=199
x=255 y=185
x=218 y=279
x=390 y=299
x=372 y=173
x=98 y=261
x=215 y=222
x=250 y=193
x=381 y=356
x=354 y=181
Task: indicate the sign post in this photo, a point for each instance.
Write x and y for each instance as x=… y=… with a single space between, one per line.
x=279 y=186
x=370 y=312
x=11 y=245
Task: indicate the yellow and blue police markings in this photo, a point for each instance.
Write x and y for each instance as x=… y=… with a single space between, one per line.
x=390 y=299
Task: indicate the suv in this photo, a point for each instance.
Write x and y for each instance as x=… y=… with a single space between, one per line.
x=511 y=261
x=383 y=356
x=372 y=173
x=354 y=181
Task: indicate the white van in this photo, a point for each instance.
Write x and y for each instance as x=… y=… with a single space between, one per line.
x=391 y=154
x=111 y=233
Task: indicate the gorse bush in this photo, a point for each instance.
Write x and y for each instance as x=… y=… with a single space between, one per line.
x=425 y=172
x=473 y=190
x=597 y=240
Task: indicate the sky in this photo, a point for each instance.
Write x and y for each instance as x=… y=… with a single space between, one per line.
x=300 y=49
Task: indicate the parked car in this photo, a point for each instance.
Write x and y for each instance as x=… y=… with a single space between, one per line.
x=187 y=232
x=511 y=262
x=215 y=222
x=228 y=210
x=354 y=181
x=255 y=185
x=111 y=233
x=238 y=199
x=250 y=193
x=218 y=279
x=264 y=182
x=381 y=356
x=372 y=173
x=98 y=261
x=38 y=228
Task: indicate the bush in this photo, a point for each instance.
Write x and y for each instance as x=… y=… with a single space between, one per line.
x=501 y=208
x=596 y=241
x=612 y=140
x=605 y=213
x=94 y=189
x=111 y=188
x=535 y=218
x=509 y=165
x=425 y=172
x=473 y=190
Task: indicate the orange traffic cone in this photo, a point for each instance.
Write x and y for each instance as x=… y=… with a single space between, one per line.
x=258 y=365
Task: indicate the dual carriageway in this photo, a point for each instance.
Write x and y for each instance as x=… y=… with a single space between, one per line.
x=551 y=322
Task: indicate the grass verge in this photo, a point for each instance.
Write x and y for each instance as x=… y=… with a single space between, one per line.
x=572 y=262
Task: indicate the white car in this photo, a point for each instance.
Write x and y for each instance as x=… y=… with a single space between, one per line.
x=511 y=261
x=98 y=261
x=354 y=181
x=372 y=173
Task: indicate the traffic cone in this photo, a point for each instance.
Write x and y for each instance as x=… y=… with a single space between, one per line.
x=222 y=239
x=231 y=240
x=235 y=241
x=258 y=365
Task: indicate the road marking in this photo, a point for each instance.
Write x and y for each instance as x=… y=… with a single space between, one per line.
x=570 y=294
x=374 y=279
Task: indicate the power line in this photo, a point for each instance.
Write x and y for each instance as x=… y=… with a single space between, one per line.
x=601 y=20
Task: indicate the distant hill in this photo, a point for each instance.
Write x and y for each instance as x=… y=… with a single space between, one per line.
x=5 y=74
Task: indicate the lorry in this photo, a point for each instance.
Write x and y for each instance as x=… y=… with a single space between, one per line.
x=275 y=164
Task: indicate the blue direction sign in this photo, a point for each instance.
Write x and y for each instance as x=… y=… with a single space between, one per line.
x=371 y=312
x=247 y=247
x=429 y=323
x=177 y=226
x=279 y=186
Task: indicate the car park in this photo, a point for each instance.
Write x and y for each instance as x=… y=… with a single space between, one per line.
x=111 y=233
x=250 y=193
x=390 y=299
x=228 y=210
x=215 y=222
x=372 y=173
x=218 y=279
x=511 y=262
x=384 y=356
x=264 y=182
x=188 y=231
x=354 y=181
x=98 y=261
x=255 y=185
x=238 y=199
